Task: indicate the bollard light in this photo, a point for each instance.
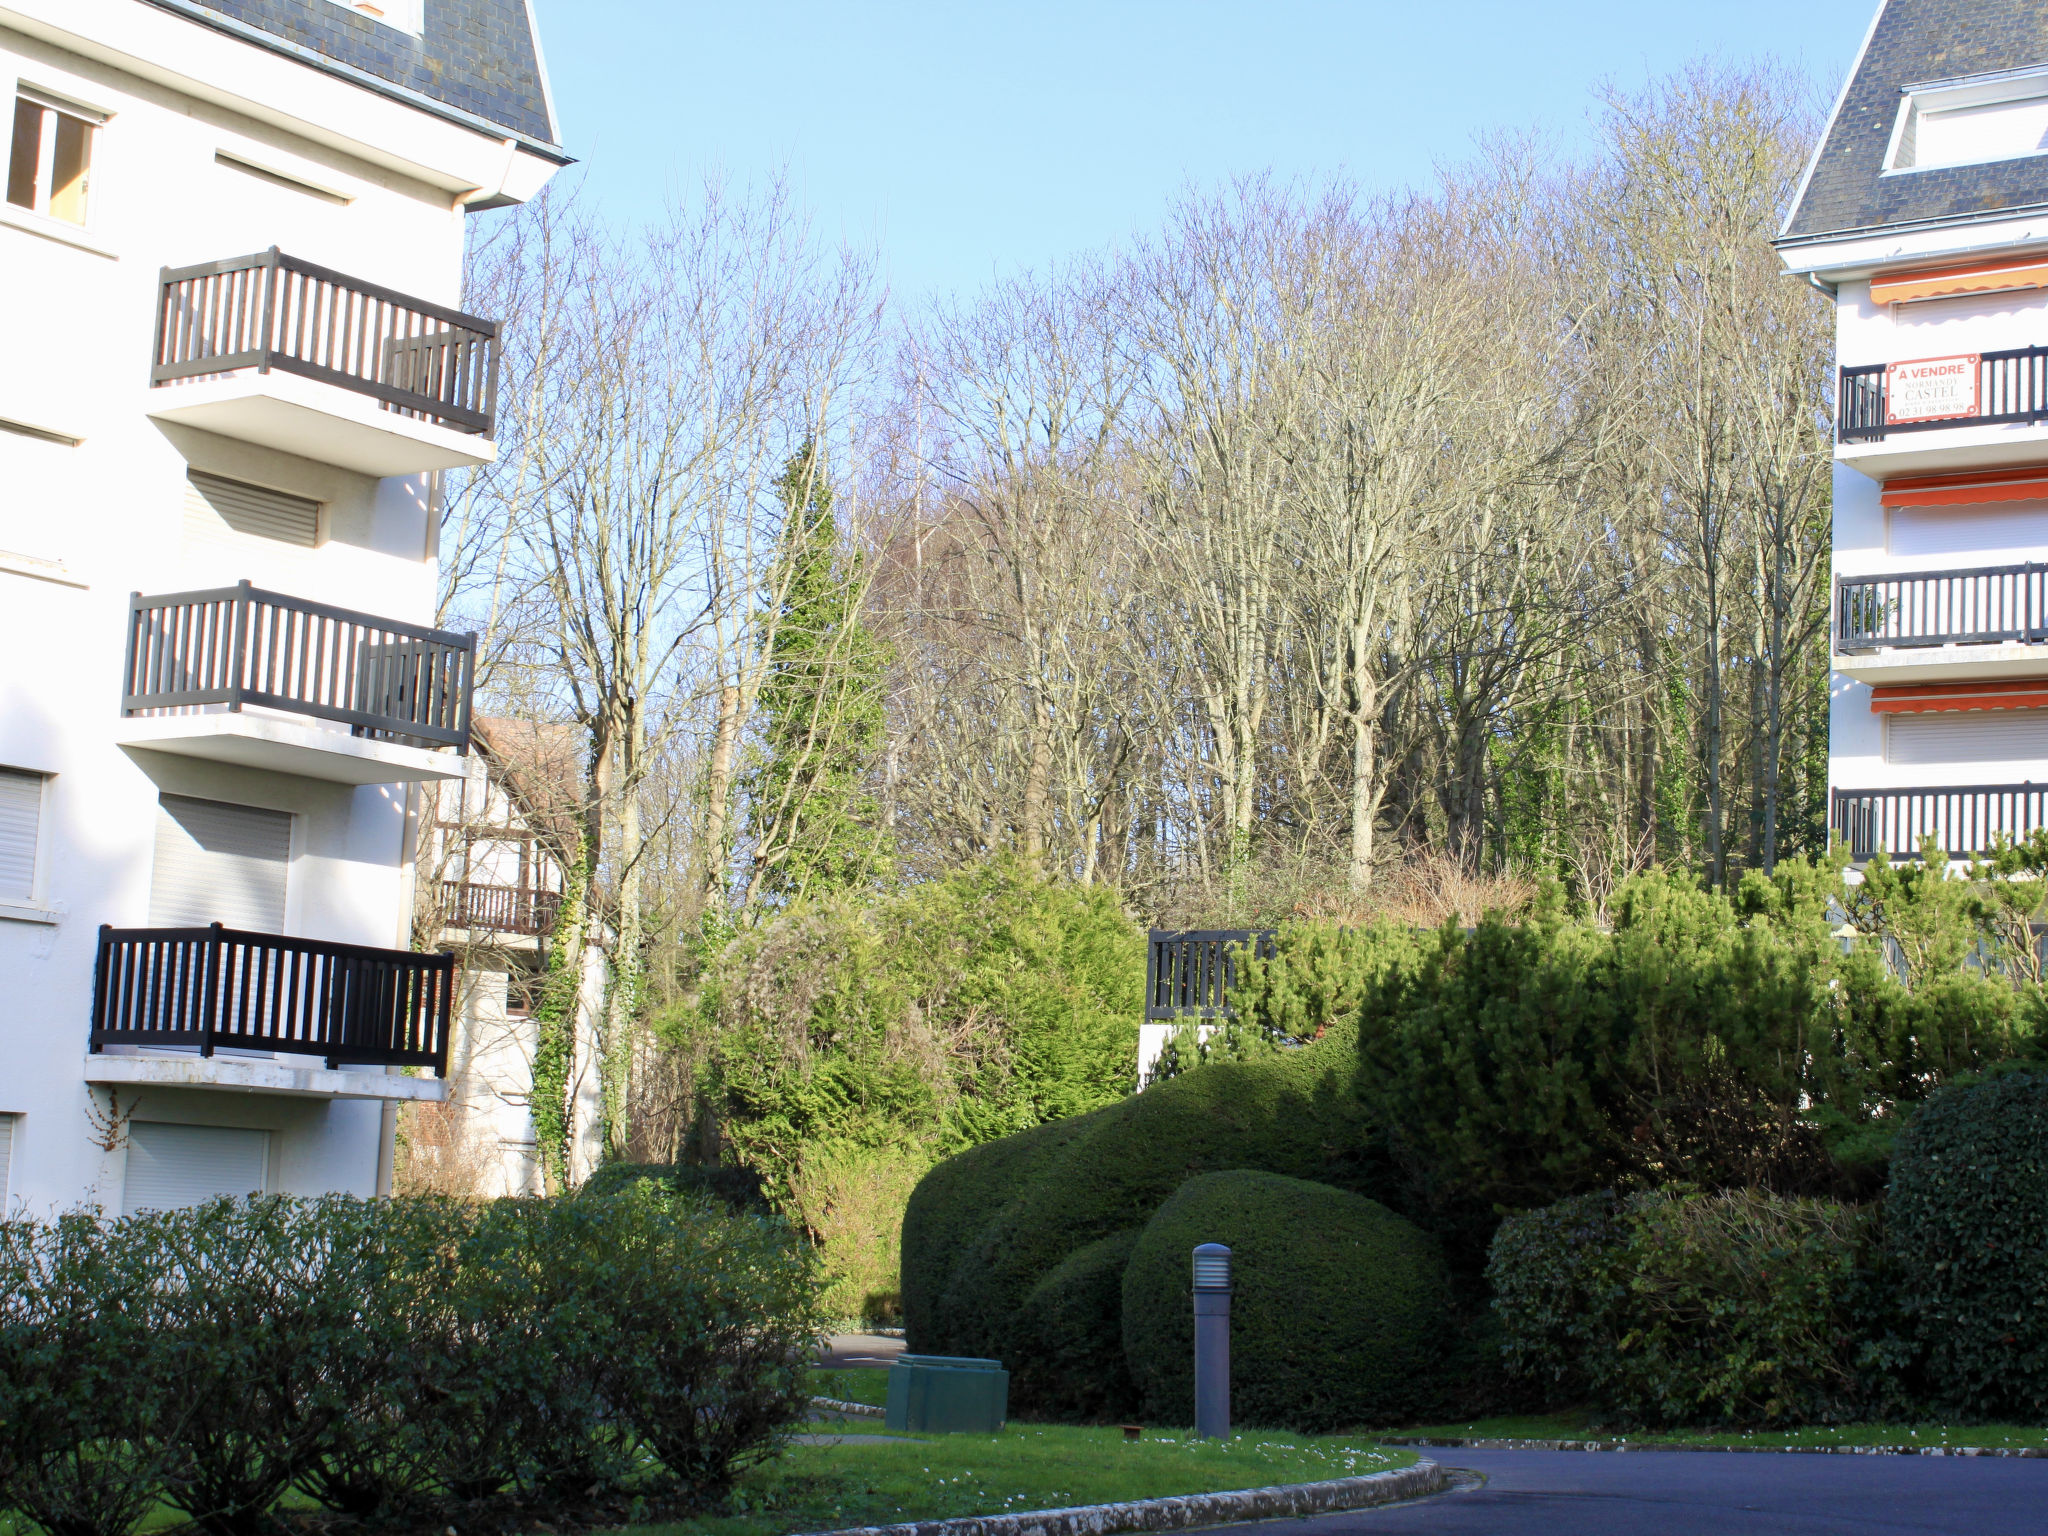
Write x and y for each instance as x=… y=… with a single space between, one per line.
x=1212 y=1341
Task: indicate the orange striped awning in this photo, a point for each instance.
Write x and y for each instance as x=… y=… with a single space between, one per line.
x=1945 y=282
x=2022 y=482
x=1937 y=698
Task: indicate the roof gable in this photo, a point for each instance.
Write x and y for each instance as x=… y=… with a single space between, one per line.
x=1913 y=42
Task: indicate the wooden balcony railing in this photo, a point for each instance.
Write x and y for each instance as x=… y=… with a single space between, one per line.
x=217 y=987
x=273 y=311
x=1189 y=975
x=2012 y=387
x=499 y=908
x=1981 y=606
x=1964 y=818
x=238 y=645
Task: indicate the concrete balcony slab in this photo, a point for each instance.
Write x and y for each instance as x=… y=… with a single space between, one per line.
x=1952 y=448
x=317 y=421
x=310 y=751
x=247 y=1074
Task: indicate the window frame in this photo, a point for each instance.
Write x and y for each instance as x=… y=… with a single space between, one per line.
x=54 y=104
x=34 y=908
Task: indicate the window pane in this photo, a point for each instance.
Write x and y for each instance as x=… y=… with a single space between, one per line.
x=28 y=149
x=74 y=160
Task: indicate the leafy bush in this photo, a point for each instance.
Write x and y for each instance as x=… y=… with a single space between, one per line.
x=1674 y=1309
x=737 y=1189
x=1968 y=1226
x=416 y=1361
x=1296 y=1112
x=1074 y=1320
x=1337 y=1315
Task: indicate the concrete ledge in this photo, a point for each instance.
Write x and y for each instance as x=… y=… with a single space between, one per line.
x=1289 y=1500
x=2022 y=1452
x=241 y=1074
x=311 y=750
x=851 y=1410
x=326 y=423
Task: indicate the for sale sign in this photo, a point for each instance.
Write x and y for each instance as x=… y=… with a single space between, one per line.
x=1931 y=389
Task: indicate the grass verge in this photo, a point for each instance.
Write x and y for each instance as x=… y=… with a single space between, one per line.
x=1568 y=1426
x=1027 y=1466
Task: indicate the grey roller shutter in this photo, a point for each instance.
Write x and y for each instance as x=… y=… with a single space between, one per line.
x=1968 y=736
x=172 y=1166
x=2002 y=533
x=21 y=812
x=254 y=510
x=219 y=863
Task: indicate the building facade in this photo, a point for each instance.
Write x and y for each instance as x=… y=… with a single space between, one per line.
x=237 y=371
x=1924 y=217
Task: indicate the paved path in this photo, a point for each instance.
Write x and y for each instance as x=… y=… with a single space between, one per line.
x=876 y=1349
x=1645 y=1493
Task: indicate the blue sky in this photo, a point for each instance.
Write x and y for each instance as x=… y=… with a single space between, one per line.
x=966 y=138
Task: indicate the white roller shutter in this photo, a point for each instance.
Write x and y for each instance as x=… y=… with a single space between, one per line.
x=172 y=1166
x=249 y=509
x=219 y=863
x=2002 y=533
x=1967 y=736
x=6 y=1156
x=21 y=813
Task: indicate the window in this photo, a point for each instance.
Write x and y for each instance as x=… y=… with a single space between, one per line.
x=219 y=863
x=21 y=817
x=173 y=1166
x=6 y=1155
x=49 y=166
x=250 y=509
x=1971 y=121
x=1967 y=736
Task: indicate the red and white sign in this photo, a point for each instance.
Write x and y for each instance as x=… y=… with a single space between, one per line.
x=1931 y=388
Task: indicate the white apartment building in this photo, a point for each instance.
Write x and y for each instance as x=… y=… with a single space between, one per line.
x=1924 y=214
x=236 y=368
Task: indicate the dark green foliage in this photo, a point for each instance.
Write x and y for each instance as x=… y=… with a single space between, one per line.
x=737 y=1189
x=1073 y=1320
x=815 y=826
x=1338 y=1313
x=1968 y=1224
x=420 y=1362
x=1663 y=1309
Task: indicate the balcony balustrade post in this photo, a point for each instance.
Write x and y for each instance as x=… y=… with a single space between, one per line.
x=102 y=962
x=238 y=644
x=273 y=274
x=215 y=946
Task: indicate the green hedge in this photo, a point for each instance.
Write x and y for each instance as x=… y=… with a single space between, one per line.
x=416 y=1362
x=1968 y=1225
x=1074 y=1320
x=984 y=1229
x=739 y=1190
x=1338 y=1313
x=1673 y=1309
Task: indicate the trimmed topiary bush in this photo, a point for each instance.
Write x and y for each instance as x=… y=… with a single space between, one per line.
x=1338 y=1312
x=1668 y=1309
x=1968 y=1228
x=1074 y=1318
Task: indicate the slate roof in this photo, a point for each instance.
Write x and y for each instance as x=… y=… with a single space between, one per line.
x=478 y=61
x=540 y=764
x=1915 y=42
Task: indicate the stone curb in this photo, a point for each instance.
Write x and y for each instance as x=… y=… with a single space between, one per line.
x=856 y=1410
x=1180 y=1513
x=2024 y=1452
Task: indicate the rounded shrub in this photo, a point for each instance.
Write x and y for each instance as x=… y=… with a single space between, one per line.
x=1074 y=1318
x=1337 y=1316
x=1295 y=1112
x=1967 y=1222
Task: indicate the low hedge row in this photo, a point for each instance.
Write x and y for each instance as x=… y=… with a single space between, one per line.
x=398 y=1362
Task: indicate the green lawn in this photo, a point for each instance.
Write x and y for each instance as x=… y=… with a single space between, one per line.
x=1565 y=1426
x=1027 y=1466
x=858 y=1384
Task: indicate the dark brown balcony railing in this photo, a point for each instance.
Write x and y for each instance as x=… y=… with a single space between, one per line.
x=2012 y=387
x=273 y=311
x=1189 y=975
x=1988 y=604
x=499 y=908
x=207 y=988
x=1963 y=819
x=238 y=645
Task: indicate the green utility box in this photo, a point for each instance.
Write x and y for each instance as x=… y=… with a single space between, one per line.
x=944 y=1394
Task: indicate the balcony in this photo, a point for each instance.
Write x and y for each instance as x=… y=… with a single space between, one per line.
x=1974 y=411
x=513 y=909
x=1963 y=818
x=200 y=662
x=272 y=350
x=196 y=991
x=1985 y=622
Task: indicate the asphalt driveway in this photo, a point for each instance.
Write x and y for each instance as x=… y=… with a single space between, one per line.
x=1650 y=1493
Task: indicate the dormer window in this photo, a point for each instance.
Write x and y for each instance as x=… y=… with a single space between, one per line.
x=404 y=15
x=1971 y=121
